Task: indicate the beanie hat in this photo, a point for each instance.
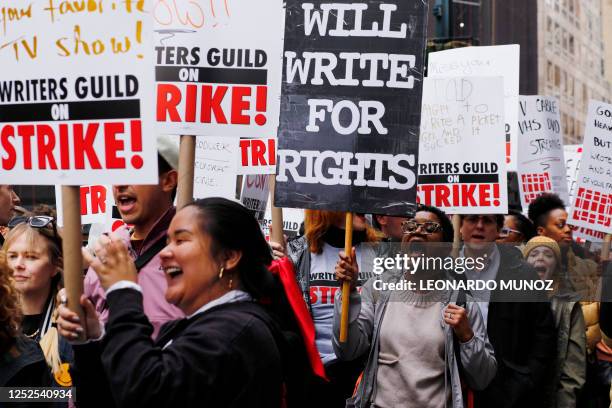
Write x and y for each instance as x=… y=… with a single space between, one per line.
x=539 y=241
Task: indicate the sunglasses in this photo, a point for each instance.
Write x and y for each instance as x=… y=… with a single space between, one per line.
x=504 y=232
x=429 y=227
x=39 y=221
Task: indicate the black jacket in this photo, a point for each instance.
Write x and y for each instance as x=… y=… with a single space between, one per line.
x=224 y=357
x=24 y=366
x=522 y=332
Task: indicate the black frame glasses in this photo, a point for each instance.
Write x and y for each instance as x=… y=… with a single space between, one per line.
x=429 y=227
x=36 y=221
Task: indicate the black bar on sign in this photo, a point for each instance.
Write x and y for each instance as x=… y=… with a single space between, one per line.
x=458 y=178
x=81 y=110
x=213 y=75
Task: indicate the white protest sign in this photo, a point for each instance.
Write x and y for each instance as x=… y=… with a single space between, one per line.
x=498 y=60
x=218 y=66
x=255 y=193
x=292 y=220
x=572 y=155
x=462 y=167
x=76 y=93
x=257 y=156
x=216 y=160
x=592 y=204
x=540 y=164
x=93 y=204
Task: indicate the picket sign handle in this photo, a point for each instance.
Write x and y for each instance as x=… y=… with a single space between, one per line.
x=346 y=286
x=456 y=235
x=605 y=250
x=184 y=191
x=72 y=240
x=277 y=234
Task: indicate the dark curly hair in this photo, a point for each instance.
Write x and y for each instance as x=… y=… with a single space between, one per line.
x=448 y=231
x=542 y=206
x=524 y=225
x=10 y=310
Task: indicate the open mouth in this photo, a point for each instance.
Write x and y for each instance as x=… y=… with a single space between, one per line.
x=125 y=203
x=540 y=268
x=173 y=271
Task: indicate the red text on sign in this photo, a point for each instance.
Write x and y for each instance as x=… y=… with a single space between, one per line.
x=257 y=152
x=459 y=195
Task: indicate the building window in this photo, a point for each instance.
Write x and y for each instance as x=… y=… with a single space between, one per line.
x=557 y=77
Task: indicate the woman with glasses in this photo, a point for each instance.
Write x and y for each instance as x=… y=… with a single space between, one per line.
x=33 y=250
x=517 y=229
x=421 y=345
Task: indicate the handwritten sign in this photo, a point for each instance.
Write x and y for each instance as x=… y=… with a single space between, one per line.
x=499 y=60
x=462 y=166
x=572 y=155
x=592 y=204
x=216 y=161
x=76 y=93
x=217 y=66
x=541 y=166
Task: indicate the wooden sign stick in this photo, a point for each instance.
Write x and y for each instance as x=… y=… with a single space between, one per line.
x=346 y=286
x=186 y=169
x=277 y=234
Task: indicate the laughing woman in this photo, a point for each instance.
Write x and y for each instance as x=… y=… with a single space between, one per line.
x=225 y=353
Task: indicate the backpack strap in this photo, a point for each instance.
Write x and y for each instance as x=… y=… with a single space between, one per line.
x=147 y=255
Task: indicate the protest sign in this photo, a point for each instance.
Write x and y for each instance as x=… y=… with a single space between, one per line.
x=462 y=166
x=217 y=67
x=76 y=96
x=592 y=204
x=255 y=193
x=499 y=60
x=292 y=220
x=93 y=204
x=257 y=156
x=572 y=155
x=216 y=160
x=540 y=164
x=352 y=83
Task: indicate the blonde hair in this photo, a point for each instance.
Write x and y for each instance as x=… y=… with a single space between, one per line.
x=10 y=311
x=49 y=342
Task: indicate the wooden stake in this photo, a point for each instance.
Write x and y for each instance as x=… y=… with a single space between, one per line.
x=605 y=249
x=456 y=236
x=278 y=234
x=186 y=168
x=72 y=240
x=346 y=286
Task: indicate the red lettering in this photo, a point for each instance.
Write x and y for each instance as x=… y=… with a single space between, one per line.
x=244 y=151
x=211 y=104
x=84 y=146
x=98 y=199
x=46 y=144
x=324 y=293
x=272 y=152
x=484 y=195
x=467 y=195
x=456 y=195
x=313 y=294
x=190 y=103
x=83 y=196
x=442 y=194
x=258 y=148
x=333 y=295
x=26 y=132
x=112 y=145
x=239 y=105
x=168 y=98
x=10 y=160
x=64 y=152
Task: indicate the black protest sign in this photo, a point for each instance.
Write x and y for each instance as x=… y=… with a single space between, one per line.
x=351 y=105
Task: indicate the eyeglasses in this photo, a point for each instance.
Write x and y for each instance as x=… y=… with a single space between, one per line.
x=429 y=227
x=39 y=221
x=504 y=232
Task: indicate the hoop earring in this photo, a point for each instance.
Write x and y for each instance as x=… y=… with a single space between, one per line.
x=221 y=273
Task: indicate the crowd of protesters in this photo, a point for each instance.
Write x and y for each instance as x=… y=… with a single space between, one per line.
x=181 y=309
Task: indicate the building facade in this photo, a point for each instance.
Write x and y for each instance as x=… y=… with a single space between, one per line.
x=607 y=34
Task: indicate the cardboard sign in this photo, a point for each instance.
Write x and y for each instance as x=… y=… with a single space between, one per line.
x=352 y=84
x=572 y=155
x=257 y=156
x=540 y=165
x=215 y=170
x=76 y=97
x=462 y=166
x=592 y=204
x=255 y=193
x=499 y=60
x=292 y=220
x=93 y=204
x=217 y=67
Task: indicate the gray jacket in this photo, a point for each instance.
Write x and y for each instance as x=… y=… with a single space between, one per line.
x=366 y=313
